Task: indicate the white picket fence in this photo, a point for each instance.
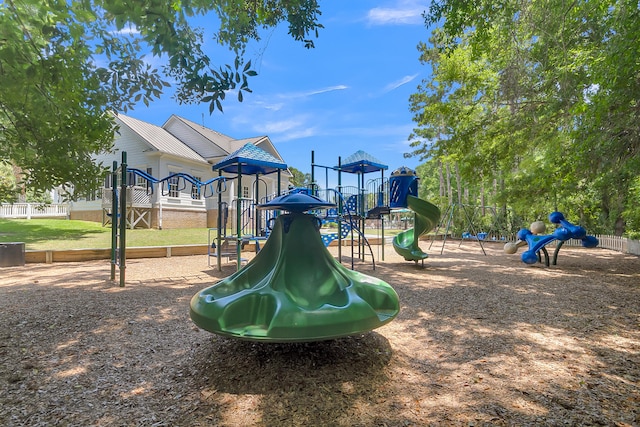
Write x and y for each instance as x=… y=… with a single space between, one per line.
x=34 y=210
x=615 y=243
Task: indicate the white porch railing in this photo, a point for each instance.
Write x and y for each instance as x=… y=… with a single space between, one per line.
x=34 y=210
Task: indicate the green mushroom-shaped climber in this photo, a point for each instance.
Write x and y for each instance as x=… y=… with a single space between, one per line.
x=294 y=289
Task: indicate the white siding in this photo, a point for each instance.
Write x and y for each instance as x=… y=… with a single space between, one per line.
x=142 y=154
x=137 y=150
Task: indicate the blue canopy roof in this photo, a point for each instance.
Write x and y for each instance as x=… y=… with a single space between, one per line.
x=362 y=162
x=252 y=160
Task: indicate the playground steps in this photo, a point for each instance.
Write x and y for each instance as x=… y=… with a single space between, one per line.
x=228 y=248
x=378 y=212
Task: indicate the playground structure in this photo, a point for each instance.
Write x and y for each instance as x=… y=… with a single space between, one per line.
x=536 y=241
x=499 y=229
x=353 y=204
x=404 y=190
x=294 y=289
x=374 y=201
x=248 y=160
x=123 y=214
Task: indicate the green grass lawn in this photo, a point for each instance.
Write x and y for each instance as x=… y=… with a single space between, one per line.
x=41 y=234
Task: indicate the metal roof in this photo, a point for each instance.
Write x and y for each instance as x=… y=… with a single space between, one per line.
x=251 y=160
x=159 y=139
x=361 y=162
x=218 y=141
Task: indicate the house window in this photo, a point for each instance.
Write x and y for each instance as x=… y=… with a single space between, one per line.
x=195 y=191
x=173 y=186
x=245 y=192
x=141 y=181
x=149 y=184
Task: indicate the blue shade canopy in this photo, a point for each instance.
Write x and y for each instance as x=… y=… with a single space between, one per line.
x=361 y=162
x=297 y=202
x=252 y=160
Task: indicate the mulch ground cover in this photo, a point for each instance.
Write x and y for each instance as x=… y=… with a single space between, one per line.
x=480 y=340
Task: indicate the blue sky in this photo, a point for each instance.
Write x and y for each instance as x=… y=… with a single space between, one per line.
x=351 y=92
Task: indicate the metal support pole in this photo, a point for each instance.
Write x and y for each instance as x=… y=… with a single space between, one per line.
x=219 y=236
x=123 y=217
x=361 y=243
x=339 y=209
x=382 y=215
x=279 y=192
x=256 y=200
x=114 y=219
x=313 y=179
x=239 y=219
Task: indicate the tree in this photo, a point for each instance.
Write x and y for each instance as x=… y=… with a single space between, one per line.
x=540 y=97
x=65 y=65
x=8 y=187
x=299 y=179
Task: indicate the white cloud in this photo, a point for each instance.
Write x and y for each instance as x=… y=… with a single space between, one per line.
x=404 y=13
x=281 y=126
x=278 y=102
x=298 y=134
x=271 y=106
x=130 y=30
x=278 y=115
x=394 y=85
x=391 y=131
x=284 y=130
x=312 y=92
x=326 y=89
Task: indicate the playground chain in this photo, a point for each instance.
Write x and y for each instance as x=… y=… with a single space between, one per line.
x=479 y=340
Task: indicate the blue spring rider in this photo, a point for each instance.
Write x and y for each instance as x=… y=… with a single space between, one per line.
x=537 y=241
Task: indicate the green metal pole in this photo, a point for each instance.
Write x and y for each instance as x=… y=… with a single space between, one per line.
x=238 y=218
x=219 y=236
x=339 y=209
x=256 y=200
x=313 y=179
x=123 y=217
x=114 y=219
x=382 y=215
x=361 y=218
x=277 y=213
x=279 y=182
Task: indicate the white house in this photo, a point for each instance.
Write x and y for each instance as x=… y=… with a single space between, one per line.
x=178 y=146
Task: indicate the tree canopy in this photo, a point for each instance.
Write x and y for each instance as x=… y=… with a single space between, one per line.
x=299 y=178
x=65 y=64
x=8 y=187
x=538 y=102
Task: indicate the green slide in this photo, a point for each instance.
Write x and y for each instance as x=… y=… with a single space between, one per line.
x=427 y=216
